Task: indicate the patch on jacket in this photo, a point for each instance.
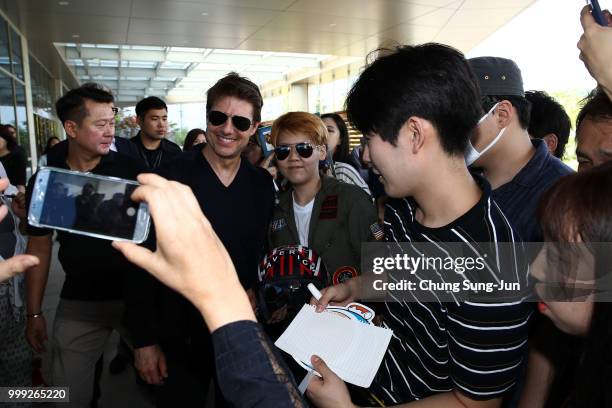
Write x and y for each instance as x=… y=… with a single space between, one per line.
x=377 y=231
x=329 y=208
x=278 y=225
x=343 y=273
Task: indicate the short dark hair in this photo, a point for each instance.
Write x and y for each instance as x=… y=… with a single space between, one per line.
x=341 y=154
x=146 y=104
x=596 y=105
x=6 y=135
x=71 y=106
x=192 y=135
x=432 y=81
x=237 y=86
x=548 y=116
x=520 y=103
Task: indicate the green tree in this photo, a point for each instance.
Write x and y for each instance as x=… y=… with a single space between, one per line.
x=571 y=101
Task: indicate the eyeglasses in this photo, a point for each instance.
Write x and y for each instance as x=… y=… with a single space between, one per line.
x=304 y=149
x=217 y=118
x=115 y=110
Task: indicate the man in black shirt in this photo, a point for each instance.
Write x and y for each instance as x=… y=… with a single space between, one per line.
x=91 y=300
x=172 y=346
x=152 y=116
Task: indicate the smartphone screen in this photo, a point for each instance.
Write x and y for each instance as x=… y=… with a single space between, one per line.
x=84 y=203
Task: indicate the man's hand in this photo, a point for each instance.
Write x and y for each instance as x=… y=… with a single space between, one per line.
x=329 y=390
x=341 y=294
x=189 y=257
x=36 y=333
x=596 y=48
x=150 y=362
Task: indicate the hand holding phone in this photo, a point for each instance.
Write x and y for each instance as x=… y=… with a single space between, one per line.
x=595 y=47
x=88 y=204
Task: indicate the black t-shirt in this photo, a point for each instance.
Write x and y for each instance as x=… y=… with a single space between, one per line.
x=15 y=164
x=475 y=348
x=239 y=213
x=159 y=157
x=94 y=269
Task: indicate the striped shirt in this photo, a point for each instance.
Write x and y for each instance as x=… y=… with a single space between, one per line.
x=347 y=174
x=476 y=348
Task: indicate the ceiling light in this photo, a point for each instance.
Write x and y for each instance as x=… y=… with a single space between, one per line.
x=63 y=3
x=205 y=14
x=75 y=36
x=332 y=25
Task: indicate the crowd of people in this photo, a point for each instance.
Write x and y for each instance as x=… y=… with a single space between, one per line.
x=453 y=151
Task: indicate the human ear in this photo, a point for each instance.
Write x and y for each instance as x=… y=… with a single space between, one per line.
x=70 y=127
x=552 y=142
x=415 y=131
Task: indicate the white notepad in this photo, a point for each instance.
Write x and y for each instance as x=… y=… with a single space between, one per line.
x=351 y=349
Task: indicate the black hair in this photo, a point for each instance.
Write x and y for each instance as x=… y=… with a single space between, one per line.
x=341 y=154
x=432 y=81
x=548 y=116
x=596 y=105
x=48 y=145
x=71 y=106
x=520 y=103
x=146 y=104
x=237 y=86
x=6 y=135
x=191 y=137
x=578 y=205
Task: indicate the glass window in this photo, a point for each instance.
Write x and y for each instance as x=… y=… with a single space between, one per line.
x=22 y=119
x=16 y=54
x=5 y=61
x=42 y=89
x=7 y=108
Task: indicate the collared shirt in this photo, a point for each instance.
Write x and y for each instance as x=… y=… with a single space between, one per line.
x=94 y=269
x=519 y=198
x=475 y=348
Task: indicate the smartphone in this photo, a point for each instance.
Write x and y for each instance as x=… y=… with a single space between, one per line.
x=263 y=136
x=88 y=204
x=596 y=12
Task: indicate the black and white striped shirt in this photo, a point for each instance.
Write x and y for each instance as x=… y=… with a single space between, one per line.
x=475 y=348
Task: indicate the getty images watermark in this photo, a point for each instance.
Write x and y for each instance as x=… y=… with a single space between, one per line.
x=439 y=265
x=486 y=272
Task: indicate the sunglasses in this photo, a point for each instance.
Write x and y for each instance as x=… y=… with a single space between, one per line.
x=304 y=149
x=217 y=118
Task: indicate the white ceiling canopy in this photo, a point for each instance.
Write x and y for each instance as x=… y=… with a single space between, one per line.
x=177 y=74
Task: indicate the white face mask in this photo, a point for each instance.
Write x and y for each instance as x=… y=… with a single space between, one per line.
x=471 y=154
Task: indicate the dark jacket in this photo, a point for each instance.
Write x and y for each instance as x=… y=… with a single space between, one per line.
x=343 y=217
